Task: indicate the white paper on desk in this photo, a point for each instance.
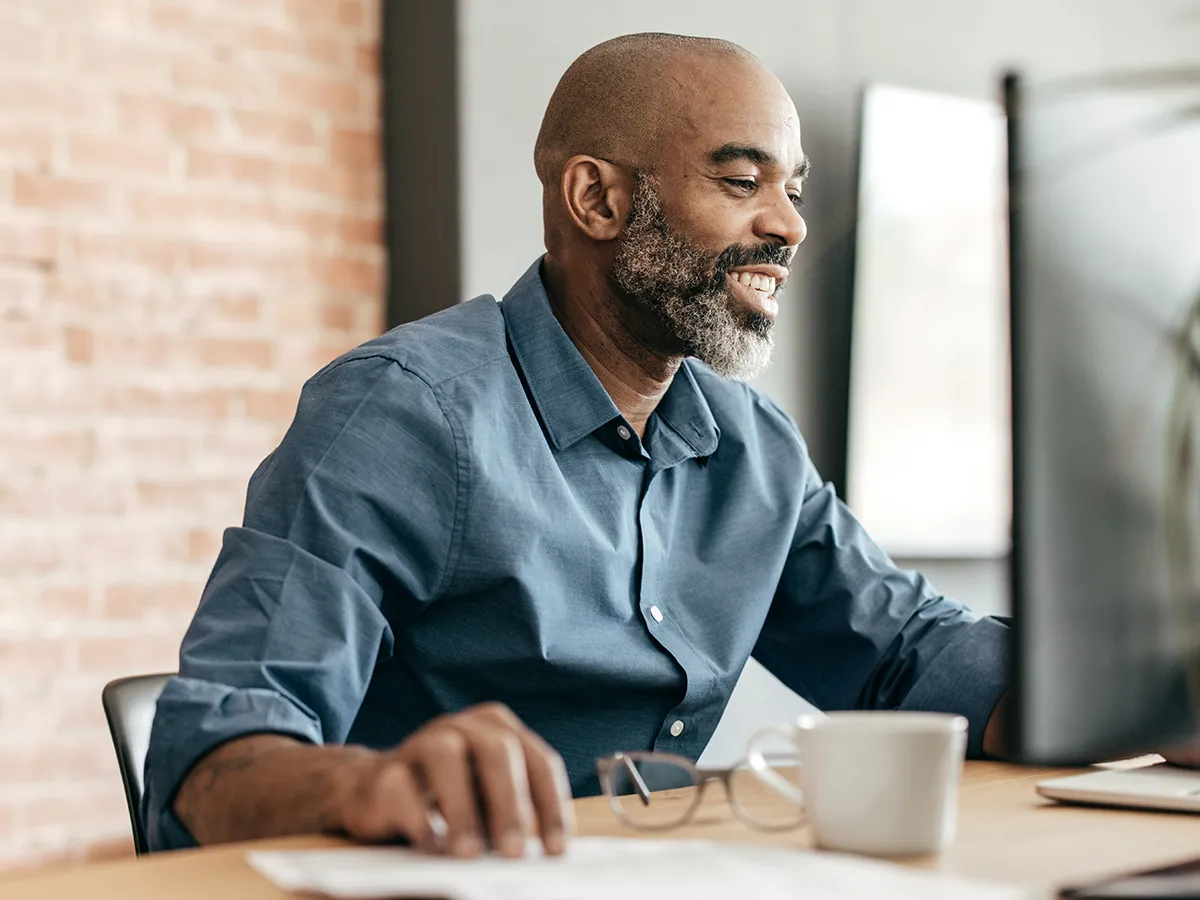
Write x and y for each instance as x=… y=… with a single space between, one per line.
x=621 y=868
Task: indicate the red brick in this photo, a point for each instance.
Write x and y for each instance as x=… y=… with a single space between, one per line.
x=349 y=274
x=57 y=762
x=136 y=601
x=327 y=51
x=190 y=495
x=136 y=401
x=103 y=802
x=141 y=158
x=181 y=119
x=285 y=131
x=26 y=657
x=175 y=17
x=350 y=182
x=270 y=405
x=282 y=264
x=71 y=444
x=167 y=206
x=240 y=308
x=107 y=59
x=216 y=78
x=233 y=352
x=347 y=13
x=241 y=167
x=107 y=249
x=114 y=657
x=328 y=351
x=337 y=97
x=203 y=544
x=54 y=193
x=29 y=243
x=79 y=345
x=337 y=316
x=367 y=58
x=70 y=602
x=356 y=148
x=27 y=145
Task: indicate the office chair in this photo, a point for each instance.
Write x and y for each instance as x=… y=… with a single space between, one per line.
x=129 y=707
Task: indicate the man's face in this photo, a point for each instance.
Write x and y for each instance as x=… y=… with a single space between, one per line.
x=711 y=234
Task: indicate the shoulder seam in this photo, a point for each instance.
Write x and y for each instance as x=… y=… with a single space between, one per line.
x=431 y=383
x=462 y=472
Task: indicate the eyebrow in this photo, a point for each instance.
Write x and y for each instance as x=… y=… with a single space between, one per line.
x=733 y=152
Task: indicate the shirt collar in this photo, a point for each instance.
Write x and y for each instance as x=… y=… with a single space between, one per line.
x=569 y=397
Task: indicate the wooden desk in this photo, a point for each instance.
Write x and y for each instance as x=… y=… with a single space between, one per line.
x=1006 y=833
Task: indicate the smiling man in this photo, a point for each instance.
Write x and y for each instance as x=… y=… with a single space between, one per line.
x=513 y=537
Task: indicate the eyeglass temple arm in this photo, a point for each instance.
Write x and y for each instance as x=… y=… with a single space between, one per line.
x=643 y=791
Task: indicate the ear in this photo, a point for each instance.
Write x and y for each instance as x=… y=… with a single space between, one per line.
x=597 y=196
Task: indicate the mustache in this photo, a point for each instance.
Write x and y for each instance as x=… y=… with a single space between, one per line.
x=735 y=256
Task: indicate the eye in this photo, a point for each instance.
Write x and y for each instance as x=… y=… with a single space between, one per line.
x=745 y=185
x=797 y=200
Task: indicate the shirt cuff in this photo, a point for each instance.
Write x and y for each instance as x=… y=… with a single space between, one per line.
x=193 y=718
x=968 y=678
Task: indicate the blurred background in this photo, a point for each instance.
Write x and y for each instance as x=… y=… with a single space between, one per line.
x=194 y=217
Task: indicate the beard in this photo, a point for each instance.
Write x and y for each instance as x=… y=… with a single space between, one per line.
x=684 y=288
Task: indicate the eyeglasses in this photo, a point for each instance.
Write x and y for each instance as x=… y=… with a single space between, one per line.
x=657 y=791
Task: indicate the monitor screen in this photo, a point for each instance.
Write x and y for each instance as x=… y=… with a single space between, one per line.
x=1105 y=237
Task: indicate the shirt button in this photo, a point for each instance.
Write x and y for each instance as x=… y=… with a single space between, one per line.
x=657 y=613
x=677 y=728
x=624 y=432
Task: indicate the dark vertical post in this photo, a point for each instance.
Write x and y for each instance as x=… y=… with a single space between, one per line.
x=419 y=66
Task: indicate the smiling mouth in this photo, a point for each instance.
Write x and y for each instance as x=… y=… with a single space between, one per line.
x=756 y=291
x=764 y=284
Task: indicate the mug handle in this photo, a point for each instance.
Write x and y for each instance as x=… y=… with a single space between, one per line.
x=763 y=771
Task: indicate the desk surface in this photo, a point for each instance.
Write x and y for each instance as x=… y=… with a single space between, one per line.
x=1006 y=833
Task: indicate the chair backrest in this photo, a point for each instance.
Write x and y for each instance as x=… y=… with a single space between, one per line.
x=129 y=707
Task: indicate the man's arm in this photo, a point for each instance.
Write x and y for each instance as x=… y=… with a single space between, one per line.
x=994 y=742
x=848 y=629
x=354 y=511
x=493 y=781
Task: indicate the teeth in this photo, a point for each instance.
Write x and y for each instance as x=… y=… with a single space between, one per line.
x=763 y=283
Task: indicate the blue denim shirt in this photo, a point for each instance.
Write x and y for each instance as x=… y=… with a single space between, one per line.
x=459 y=513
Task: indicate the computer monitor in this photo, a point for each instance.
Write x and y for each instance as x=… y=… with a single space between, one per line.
x=1104 y=233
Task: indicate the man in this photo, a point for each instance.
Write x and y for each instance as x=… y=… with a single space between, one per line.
x=503 y=541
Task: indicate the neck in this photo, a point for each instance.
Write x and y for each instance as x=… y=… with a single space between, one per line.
x=607 y=335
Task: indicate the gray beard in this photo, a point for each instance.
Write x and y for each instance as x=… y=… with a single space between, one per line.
x=669 y=277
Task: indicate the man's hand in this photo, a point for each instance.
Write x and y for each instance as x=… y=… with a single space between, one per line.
x=461 y=784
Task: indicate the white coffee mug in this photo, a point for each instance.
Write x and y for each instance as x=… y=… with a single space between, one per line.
x=880 y=783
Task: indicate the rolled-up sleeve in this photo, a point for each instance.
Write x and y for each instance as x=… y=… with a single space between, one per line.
x=848 y=629
x=353 y=513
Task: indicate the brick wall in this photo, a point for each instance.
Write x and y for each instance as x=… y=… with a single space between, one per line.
x=189 y=226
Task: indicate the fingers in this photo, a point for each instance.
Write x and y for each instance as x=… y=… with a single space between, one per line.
x=491 y=779
x=549 y=787
x=444 y=761
x=503 y=786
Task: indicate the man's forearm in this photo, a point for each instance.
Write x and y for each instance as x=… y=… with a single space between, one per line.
x=994 y=742
x=267 y=785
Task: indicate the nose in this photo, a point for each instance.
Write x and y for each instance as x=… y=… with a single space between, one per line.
x=780 y=222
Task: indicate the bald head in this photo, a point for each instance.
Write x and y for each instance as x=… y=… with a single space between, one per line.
x=617 y=100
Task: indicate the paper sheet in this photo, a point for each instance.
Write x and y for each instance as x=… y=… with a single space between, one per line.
x=620 y=868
